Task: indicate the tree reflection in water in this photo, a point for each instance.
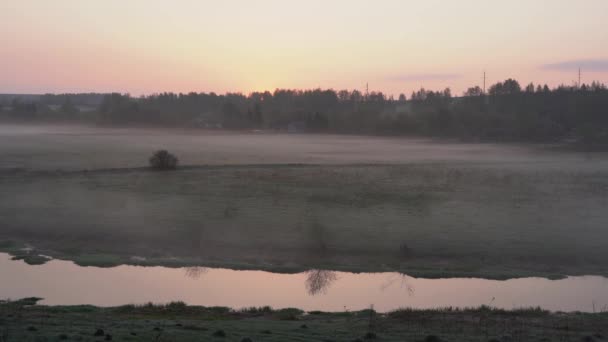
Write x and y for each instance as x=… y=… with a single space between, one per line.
x=195 y=272
x=404 y=283
x=318 y=281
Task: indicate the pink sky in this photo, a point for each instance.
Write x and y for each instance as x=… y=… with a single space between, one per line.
x=144 y=47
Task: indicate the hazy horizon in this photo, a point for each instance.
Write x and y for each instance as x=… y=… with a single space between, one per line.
x=151 y=189
x=145 y=47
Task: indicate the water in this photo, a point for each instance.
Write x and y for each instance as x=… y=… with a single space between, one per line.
x=62 y=282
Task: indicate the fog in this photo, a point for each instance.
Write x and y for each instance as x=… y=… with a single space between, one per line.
x=73 y=147
x=310 y=204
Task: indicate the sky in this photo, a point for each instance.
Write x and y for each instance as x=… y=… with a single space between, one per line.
x=150 y=46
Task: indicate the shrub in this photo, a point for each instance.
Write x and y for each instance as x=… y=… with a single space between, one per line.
x=163 y=160
x=289 y=314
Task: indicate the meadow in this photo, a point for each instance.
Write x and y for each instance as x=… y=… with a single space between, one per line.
x=22 y=321
x=294 y=202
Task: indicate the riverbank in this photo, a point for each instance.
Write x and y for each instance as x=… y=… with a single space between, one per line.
x=23 y=320
x=290 y=203
x=426 y=220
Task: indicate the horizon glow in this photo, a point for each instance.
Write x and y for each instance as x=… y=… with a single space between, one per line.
x=144 y=47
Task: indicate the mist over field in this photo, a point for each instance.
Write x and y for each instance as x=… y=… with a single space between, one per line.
x=326 y=171
x=298 y=201
x=74 y=147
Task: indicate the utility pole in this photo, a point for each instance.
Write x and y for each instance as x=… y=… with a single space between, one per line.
x=486 y=98
x=579 y=78
x=366 y=90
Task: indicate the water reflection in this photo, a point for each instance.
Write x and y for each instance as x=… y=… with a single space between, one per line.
x=195 y=272
x=63 y=282
x=404 y=283
x=318 y=281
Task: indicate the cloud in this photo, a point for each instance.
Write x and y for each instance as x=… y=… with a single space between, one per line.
x=423 y=77
x=573 y=65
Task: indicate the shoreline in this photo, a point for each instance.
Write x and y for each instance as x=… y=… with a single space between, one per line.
x=425 y=220
x=423 y=268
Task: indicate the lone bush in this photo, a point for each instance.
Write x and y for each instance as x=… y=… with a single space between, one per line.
x=163 y=160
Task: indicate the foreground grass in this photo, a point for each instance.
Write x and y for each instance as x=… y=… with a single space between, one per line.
x=23 y=320
x=426 y=220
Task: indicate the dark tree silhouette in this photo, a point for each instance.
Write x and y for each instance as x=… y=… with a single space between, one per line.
x=505 y=113
x=473 y=91
x=163 y=160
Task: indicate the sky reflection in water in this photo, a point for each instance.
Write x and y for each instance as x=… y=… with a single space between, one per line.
x=62 y=282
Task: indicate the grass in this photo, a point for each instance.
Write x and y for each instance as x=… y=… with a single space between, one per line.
x=454 y=220
x=289 y=203
x=23 y=320
x=32 y=259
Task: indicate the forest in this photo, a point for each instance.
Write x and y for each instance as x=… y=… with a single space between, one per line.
x=507 y=111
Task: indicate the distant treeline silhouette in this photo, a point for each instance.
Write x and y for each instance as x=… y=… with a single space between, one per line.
x=507 y=112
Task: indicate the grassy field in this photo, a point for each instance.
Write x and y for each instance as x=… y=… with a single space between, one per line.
x=462 y=211
x=426 y=220
x=80 y=148
x=22 y=321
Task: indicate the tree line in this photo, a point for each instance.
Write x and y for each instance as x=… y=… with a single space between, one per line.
x=506 y=112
